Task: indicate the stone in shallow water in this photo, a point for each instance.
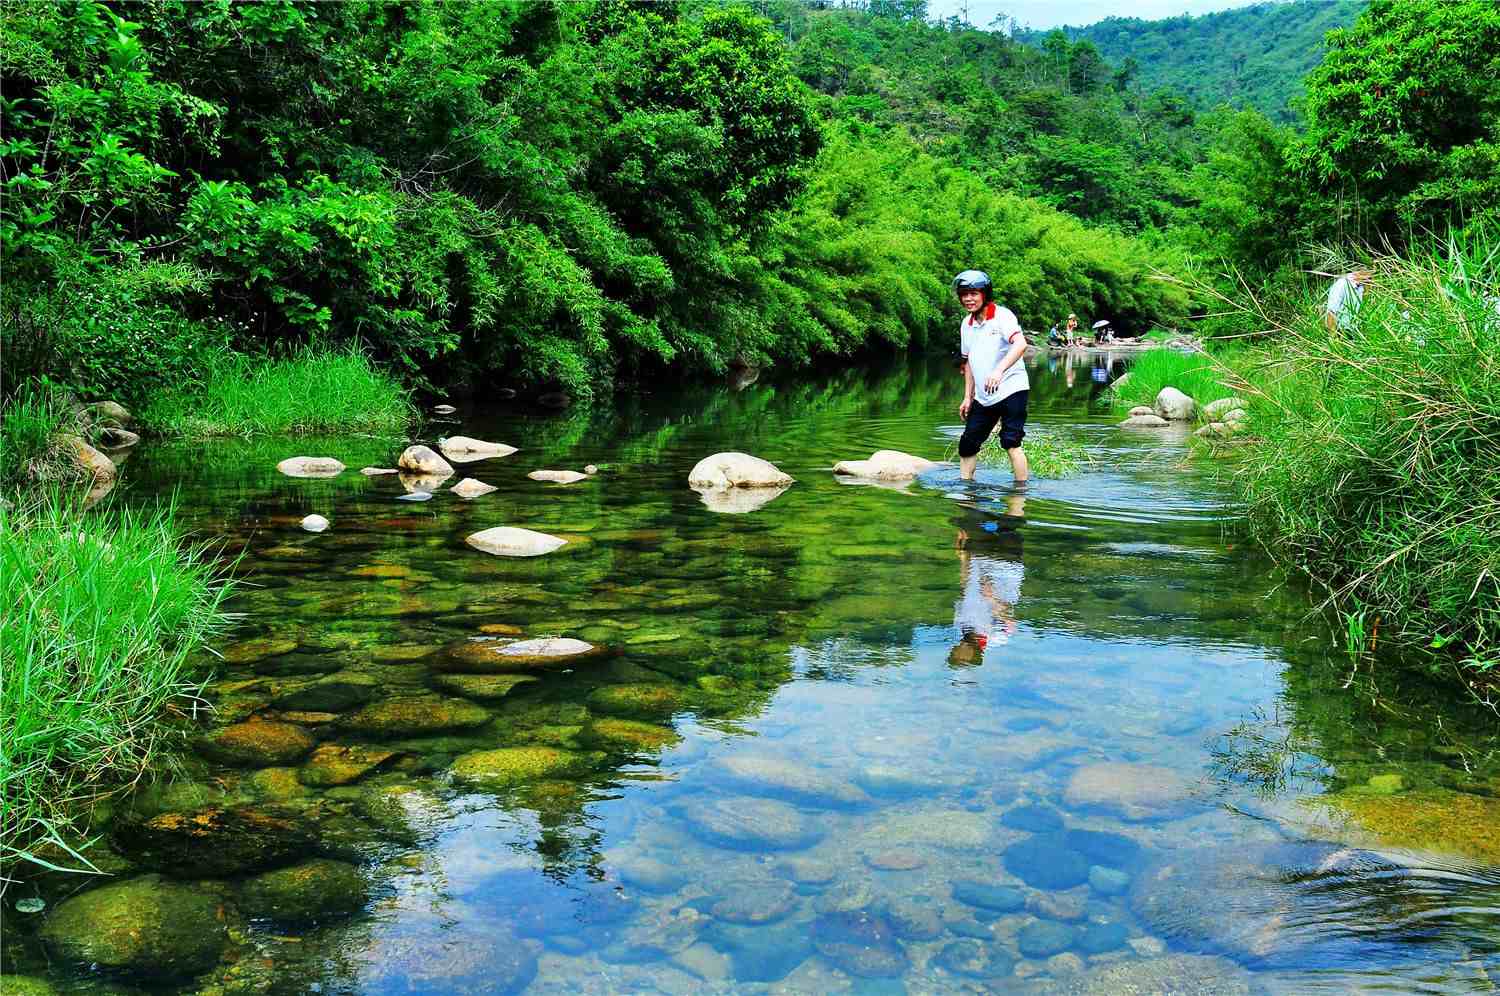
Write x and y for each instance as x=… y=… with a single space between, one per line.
x=885 y=465
x=257 y=743
x=1112 y=850
x=1100 y=937
x=557 y=476
x=512 y=541
x=986 y=896
x=213 y=843
x=1044 y=938
x=144 y=926
x=658 y=935
x=334 y=693
x=464 y=449
x=415 y=715
x=1033 y=819
x=808 y=871
x=510 y=766
x=754 y=901
x=761 y=954
x=628 y=734
x=470 y=488
x=320 y=889
x=1108 y=881
x=749 y=824
x=915 y=918
x=499 y=655
x=1174 y=975
x=314 y=523
x=310 y=467
x=651 y=875
x=483 y=687
x=1136 y=792
x=789 y=780
x=976 y=960
x=250 y=651
x=940 y=827
x=861 y=943
x=1045 y=862
x=338 y=764
x=896 y=859
x=456 y=958
x=422 y=460
x=637 y=699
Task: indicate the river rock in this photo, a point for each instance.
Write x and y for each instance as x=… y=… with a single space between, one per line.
x=112 y=437
x=1108 y=881
x=651 y=875
x=749 y=824
x=885 y=465
x=915 y=918
x=259 y=649
x=444 y=409
x=463 y=449
x=419 y=715
x=1144 y=422
x=861 y=943
x=976 y=960
x=614 y=734
x=590 y=469
x=1173 y=405
x=214 y=843
x=88 y=462
x=415 y=495
x=738 y=501
x=445 y=957
x=257 y=743
x=736 y=470
x=656 y=935
x=799 y=783
x=314 y=523
x=333 y=693
x=1046 y=862
x=310 y=467
x=340 y=764
x=637 y=700
x=1137 y=792
x=512 y=541
x=1142 y=410
x=108 y=413
x=754 y=901
x=1174 y=975
x=470 y=488
x=1044 y=938
x=481 y=687
x=145 y=926
x=493 y=770
x=378 y=471
x=320 y=889
x=422 y=460
x=896 y=859
x=988 y=896
x=1102 y=847
x=1214 y=411
x=502 y=655
x=1098 y=938
x=1235 y=416
x=1033 y=819
x=766 y=953
x=558 y=476
x=407 y=814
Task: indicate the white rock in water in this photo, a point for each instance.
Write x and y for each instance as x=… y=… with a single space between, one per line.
x=1142 y=410
x=1214 y=411
x=470 y=488
x=1173 y=404
x=415 y=496
x=558 y=476
x=422 y=460
x=1144 y=422
x=423 y=482
x=314 y=523
x=885 y=465
x=310 y=467
x=378 y=471
x=591 y=470
x=739 y=501
x=512 y=541
x=736 y=470
x=443 y=409
x=466 y=450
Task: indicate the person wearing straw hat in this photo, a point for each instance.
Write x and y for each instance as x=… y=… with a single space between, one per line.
x=995 y=383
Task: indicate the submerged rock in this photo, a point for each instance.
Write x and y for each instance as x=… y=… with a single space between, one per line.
x=464 y=449
x=250 y=651
x=789 y=780
x=1435 y=820
x=1044 y=938
x=628 y=734
x=861 y=943
x=762 y=953
x=1172 y=404
x=310 y=467
x=482 y=687
x=750 y=824
x=558 y=476
x=494 y=770
x=512 y=541
x=1033 y=819
x=638 y=699
x=988 y=896
x=339 y=764
x=1046 y=862
x=470 y=488
x=754 y=901
x=334 y=693
x=320 y=889
x=414 y=716
x=454 y=958
x=500 y=655
x=1137 y=792
x=976 y=960
x=213 y=843
x=651 y=875
x=146 y=926
x=885 y=465
x=1144 y=422
x=1174 y=975
x=736 y=470
x=257 y=743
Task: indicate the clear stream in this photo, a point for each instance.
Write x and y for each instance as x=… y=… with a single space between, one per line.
x=792 y=770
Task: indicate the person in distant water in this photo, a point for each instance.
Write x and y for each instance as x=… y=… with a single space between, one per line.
x=1344 y=299
x=995 y=383
x=991 y=572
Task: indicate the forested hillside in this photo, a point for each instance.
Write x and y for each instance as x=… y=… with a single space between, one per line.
x=1254 y=56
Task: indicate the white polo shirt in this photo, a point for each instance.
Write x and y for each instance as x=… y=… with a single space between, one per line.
x=1344 y=299
x=984 y=345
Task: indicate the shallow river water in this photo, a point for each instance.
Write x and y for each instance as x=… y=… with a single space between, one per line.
x=860 y=739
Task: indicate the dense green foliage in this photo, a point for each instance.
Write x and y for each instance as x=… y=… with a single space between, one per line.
x=1203 y=377
x=1251 y=57
x=27 y=424
x=313 y=391
x=102 y=611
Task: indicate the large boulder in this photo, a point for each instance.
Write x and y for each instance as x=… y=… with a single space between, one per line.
x=1173 y=405
x=463 y=449
x=303 y=466
x=501 y=655
x=112 y=437
x=885 y=465
x=422 y=460
x=1214 y=411
x=213 y=843
x=1137 y=792
x=558 y=476
x=87 y=461
x=736 y=470
x=144 y=926
x=512 y=541
x=319 y=889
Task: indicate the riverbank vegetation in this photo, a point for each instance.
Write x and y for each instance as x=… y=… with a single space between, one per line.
x=103 y=610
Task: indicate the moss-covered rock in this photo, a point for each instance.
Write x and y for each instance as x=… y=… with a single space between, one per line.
x=257 y=744
x=212 y=843
x=340 y=764
x=250 y=651
x=276 y=784
x=336 y=692
x=407 y=814
x=509 y=766
x=637 y=700
x=1432 y=820
x=481 y=687
x=416 y=715
x=502 y=655
x=628 y=734
x=146 y=926
x=319 y=889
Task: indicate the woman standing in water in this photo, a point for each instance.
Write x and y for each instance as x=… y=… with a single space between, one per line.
x=995 y=383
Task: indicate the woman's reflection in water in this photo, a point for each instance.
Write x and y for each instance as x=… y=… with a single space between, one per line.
x=990 y=573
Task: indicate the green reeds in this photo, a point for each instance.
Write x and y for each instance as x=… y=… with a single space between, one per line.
x=29 y=420
x=101 y=612
x=1201 y=376
x=1049 y=455
x=311 y=391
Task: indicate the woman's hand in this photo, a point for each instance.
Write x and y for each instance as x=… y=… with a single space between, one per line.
x=963 y=408
x=993 y=384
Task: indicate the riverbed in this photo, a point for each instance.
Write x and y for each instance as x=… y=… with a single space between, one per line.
x=874 y=739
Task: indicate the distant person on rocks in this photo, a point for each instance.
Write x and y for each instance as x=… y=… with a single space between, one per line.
x=995 y=383
x=1344 y=299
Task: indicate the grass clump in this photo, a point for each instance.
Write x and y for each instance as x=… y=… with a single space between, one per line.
x=316 y=390
x=100 y=614
x=1377 y=466
x=1199 y=375
x=1048 y=455
x=27 y=424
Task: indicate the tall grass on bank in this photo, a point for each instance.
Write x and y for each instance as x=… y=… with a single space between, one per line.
x=28 y=421
x=1377 y=469
x=101 y=612
x=1202 y=377
x=312 y=391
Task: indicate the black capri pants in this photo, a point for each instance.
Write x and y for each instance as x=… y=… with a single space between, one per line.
x=1009 y=412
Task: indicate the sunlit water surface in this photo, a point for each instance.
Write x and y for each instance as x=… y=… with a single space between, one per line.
x=861 y=739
